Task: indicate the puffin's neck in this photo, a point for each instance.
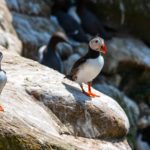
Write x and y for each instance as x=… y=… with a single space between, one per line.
x=52 y=44
x=92 y=53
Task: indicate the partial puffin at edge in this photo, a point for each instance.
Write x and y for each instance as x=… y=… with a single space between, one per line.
x=3 y=79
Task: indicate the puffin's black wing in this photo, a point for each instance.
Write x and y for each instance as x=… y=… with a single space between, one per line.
x=74 y=70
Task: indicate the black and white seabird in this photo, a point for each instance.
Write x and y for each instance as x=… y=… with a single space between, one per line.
x=72 y=28
x=3 y=79
x=89 y=21
x=88 y=67
x=48 y=55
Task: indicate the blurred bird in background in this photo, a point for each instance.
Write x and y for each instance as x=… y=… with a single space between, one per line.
x=48 y=54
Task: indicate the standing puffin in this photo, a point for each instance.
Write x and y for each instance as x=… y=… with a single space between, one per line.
x=48 y=55
x=3 y=79
x=89 y=66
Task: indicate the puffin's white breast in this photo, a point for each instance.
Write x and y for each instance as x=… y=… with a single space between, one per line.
x=90 y=69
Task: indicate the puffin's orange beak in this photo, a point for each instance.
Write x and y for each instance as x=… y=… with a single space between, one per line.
x=104 y=49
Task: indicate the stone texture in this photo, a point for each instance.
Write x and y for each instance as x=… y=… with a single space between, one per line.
x=125 y=50
x=130 y=107
x=126 y=15
x=34 y=32
x=8 y=36
x=5 y=18
x=30 y=124
x=10 y=42
x=30 y=7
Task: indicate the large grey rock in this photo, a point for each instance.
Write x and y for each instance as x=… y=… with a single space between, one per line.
x=126 y=50
x=128 y=15
x=30 y=7
x=41 y=111
x=33 y=32
x=129 y=58
x=8 y=36
x=11 y=42
x=130 y=107
x=6 y=18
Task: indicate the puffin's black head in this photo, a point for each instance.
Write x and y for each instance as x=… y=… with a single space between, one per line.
x=98 y=44
x=56 y=38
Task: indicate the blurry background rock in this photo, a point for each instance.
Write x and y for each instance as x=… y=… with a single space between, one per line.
x=26 y=25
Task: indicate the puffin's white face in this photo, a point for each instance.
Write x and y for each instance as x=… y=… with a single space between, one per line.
x=98 y=44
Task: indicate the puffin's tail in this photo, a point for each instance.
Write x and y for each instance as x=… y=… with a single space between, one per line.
x=68 y=77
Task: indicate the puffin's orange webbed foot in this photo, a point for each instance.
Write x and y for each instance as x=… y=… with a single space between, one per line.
x=1 y=108
x=90 y=94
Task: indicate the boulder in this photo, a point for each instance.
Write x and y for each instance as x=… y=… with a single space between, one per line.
x=33 y=32
x=30 y=7
x=44 y=110
x=11 y=42
x=129 y=58
x=125 y=50
x=8 y=36
x=125 y=15
x=130 y=107
x=6 y=18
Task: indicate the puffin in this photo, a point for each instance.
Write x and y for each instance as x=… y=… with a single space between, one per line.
x=3 y=78
x=88 y=20
x=143 y=139
x=48 y=55
x=87 y=68
x=72 y=28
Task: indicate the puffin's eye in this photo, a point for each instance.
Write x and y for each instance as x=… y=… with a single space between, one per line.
x=96 y=41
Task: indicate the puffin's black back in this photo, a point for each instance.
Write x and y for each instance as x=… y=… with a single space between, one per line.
x=50 y=57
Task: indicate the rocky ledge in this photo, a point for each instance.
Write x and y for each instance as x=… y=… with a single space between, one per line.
x=44 y=110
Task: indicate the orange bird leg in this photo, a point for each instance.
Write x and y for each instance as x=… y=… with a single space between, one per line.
x=89 y=93
x=1 y=108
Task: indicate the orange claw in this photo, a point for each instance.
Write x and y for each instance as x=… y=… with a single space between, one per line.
x=1 y=108
x=89 y=93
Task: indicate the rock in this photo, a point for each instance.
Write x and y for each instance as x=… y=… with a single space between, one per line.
x=6 y=18
x=8 y=36
x=129 y=106
x=70 y=62
x=129 y=58
x=125 y=50
x=64 y=50
x=40 y=111
x=11 y=42
x=81 y=49
x=30 y=7
x=33 y=32
x=125 y=15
